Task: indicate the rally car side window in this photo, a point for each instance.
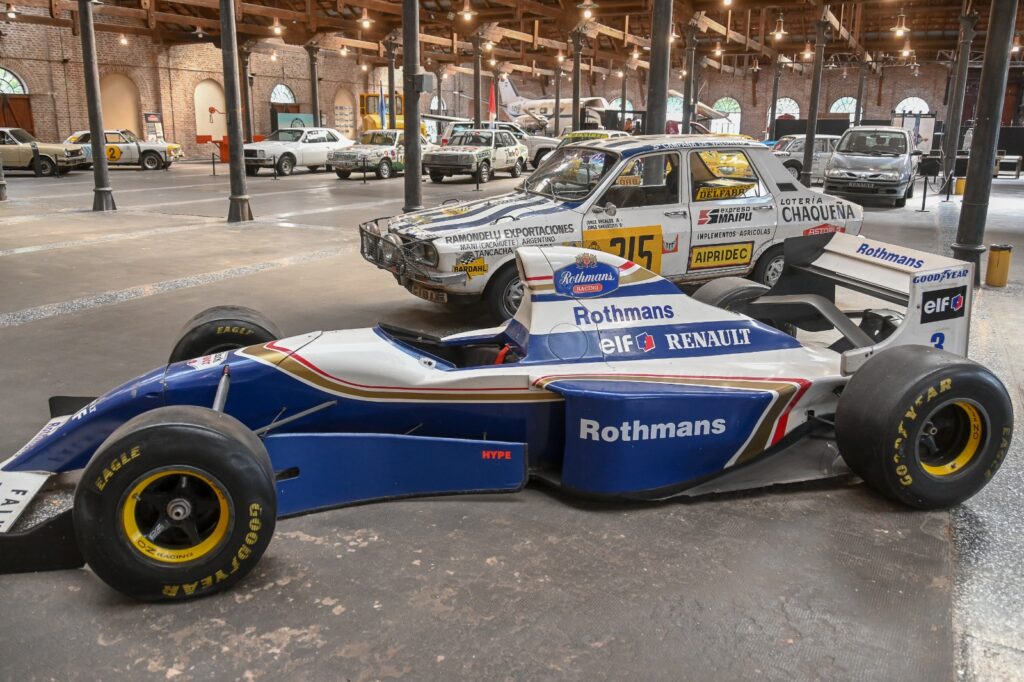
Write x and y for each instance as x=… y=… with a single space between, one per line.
x=722 y=174
x=651 y=180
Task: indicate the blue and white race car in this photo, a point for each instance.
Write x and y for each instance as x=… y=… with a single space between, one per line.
x=609 y=382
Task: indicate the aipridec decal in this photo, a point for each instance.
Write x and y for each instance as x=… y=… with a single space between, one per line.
x=721 y=255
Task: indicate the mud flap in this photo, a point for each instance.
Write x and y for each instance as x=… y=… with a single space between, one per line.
x=48 y=546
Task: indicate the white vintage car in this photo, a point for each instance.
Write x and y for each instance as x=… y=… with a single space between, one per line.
x=287 y=148
x=688 y=207
x=478 y=153
x=124 y=148
x=381 y=152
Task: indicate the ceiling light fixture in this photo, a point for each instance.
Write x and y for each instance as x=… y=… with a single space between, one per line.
x=344 y=50
x=718 y=48
x=273 y=56
x=467 y=11
x=807 y=51
x=780 y=27
x=756 y=67
x=672 y=38
x=123 y=39
x=364 y=67
x=11 y=12
x=1015 y=49
x=684 y=73
x=365 y=20
x=906 y=49
x=199 y=32
x=489 y=45
x=900 y=29
x=276 y=27
x=726 y=2
x=636 y=53
x=561 y=57
x=492 y=61
x=620 y=73
x=588 y=7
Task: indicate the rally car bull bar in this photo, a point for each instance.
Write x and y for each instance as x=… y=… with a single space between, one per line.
x=389 y=251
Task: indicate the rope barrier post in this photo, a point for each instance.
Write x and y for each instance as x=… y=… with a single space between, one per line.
x=36 y=161
x=273 y=160
x=3 y=180
x=364 y=168
x=213 y=163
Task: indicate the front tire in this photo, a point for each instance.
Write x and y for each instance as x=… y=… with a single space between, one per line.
x=794 y=169
x=285 y=165
x=344 y=175
x=151 y=161
x=47 y=166
x=383 y=170
x=517 y=169
x=504 y=293
x=223 y=328
x=923 y=426
x=769 y=266
x=178 y=503
x=483 y=173
x=437 y=177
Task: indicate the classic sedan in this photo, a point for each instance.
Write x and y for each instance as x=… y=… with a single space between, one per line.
x=124 y=148
x=381 y=152
x=478 y=153
x=287 y=148
x=16 y=152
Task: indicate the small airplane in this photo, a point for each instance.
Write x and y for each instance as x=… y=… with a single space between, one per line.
x=534 y=114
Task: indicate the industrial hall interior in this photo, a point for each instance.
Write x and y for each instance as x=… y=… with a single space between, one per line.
x=511 y=340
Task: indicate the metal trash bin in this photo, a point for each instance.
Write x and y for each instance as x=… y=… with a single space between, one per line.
x=998 y=270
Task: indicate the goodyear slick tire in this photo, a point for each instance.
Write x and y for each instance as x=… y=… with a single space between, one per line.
x=907 y=395
x=113 y=506
x=223 y=328
x=727 y=292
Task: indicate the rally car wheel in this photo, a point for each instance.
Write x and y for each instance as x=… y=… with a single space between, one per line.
x=923 y=426
x=769 y=266
x=483 y=174
x=517 y=169
x=151 y=161
x=223 y=328
x=383 y=171
x=177 y=503
x=436 y=177
x=504 y=293
x=794 y=169
x=285 y=165
x=47 y=166
x=344 y=175
x=728 y=292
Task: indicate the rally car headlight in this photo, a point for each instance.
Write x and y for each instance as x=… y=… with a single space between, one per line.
x=67 y=152
x=889 y=176
x=424 y=252
x=390 y=249
x=833 y=173
x=261 y=153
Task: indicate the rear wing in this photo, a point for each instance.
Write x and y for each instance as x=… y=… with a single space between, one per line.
x=936 y=291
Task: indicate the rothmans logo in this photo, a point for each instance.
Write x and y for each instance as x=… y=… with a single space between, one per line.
x=881 y=253
x=591 y=429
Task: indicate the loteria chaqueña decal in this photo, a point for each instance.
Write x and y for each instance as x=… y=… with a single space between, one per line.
x=721 y=216
x=471 y=264
x=586 y=277
x=722 y=192
x=808 y=209
x=721 y=255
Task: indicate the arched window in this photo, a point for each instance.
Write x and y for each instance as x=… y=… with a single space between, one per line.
x=10 y=84
x=731 y=123
x=845 y=105
x=786 y=107
x=437 y=104
x=616 y=105
x=675 y=108
x=282 y=94
x=912 y=105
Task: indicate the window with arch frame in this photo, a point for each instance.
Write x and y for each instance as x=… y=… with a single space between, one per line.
x=282 y=94
x=784 y=106
x=845 y=105
x=733 y=115
x=912 y=105
x=616 y=104
x=11 y=84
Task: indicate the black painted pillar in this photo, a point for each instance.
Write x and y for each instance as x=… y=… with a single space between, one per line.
x=991 y=93
x=862 y=78
x=103 y=196
x=955 y=108
x=622 y=100
x=577 y=58
x=411 y=94
x=390 y=53
x=438 y=92
x=776 y=75
x=812 y=116
x=657 y=75
x=558 y=101
x=477 y=84
x=238 y=208
x=245 y=81
x=314 y=82
x=691 y=58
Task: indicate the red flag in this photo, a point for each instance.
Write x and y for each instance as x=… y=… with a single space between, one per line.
x=492 y=111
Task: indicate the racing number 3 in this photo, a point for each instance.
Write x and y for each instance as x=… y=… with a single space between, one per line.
x=642 y=245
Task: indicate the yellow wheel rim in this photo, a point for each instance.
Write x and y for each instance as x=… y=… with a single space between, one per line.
x=176 y=515
x=960 y=432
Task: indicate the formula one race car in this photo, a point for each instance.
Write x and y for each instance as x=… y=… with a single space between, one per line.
x=609 y=382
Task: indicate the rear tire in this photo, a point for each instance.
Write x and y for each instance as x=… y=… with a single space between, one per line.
x=223 y=328
x=47 y=166
x=728 y=292
x=923 y=426
x=437 y=177
x=517 y=169
x=178 y=503
x=769 y=266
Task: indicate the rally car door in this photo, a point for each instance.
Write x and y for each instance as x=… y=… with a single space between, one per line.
x=641 y=215
x=500 y=150
x=120 y=150
x=314 y=148
x=15 y=155
x=732 y=213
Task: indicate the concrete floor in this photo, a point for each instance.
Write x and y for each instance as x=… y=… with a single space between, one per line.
x=821 y=582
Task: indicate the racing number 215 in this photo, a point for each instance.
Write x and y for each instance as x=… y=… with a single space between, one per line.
x=634 y=248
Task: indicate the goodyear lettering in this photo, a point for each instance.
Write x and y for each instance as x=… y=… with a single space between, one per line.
x=944 y=276
x=115 y=465
x=900 y=469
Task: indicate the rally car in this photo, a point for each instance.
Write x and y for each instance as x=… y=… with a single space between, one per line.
x=381 y=152
x=124 y=148
x=609 y=382
x=478 y=153
x=18 y=147
x=286 y=148
x=688 y=207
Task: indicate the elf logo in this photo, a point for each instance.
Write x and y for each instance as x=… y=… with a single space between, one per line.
x=626 y=343
x=721 y=216
x=943 y=304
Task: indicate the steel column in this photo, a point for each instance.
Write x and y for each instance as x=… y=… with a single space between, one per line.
x=411 y=93
x=249 y=125
x=955 y=108
x=314 y=82
x=776 y=75
x=238 y=208
x=812 y=117
x=477 y=85
x=390 y=52
x=691 y=60
x=103 y=196
x=991 y=92
x=577 y=57
x=622 y=100
x=657 y=74
x=558 y=100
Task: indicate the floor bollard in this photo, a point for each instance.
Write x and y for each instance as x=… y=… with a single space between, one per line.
x=364 y=169
x=998 y=271
x=273 y=160
x=213 y=162
x=924 y=195
x=3 y=180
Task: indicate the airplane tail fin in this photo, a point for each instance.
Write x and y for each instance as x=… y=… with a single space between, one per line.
x=508 y=91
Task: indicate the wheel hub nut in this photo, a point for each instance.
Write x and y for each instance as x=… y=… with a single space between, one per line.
x=179 y=509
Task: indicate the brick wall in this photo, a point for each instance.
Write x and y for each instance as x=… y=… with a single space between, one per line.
x=49 y=61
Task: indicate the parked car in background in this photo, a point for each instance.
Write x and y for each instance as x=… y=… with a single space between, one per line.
x=287 y=148
x=124 y=148
x=584 y=135
x=381 y=152
x=477 y=152
x=790 y=149
x=873 y=163
x=537 y=146
x=16 y=149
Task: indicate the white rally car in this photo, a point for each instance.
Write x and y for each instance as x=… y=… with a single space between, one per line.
x=287 y=148
x=688 y=207
x=381 y=152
